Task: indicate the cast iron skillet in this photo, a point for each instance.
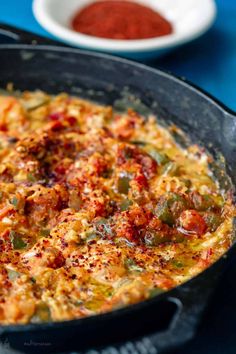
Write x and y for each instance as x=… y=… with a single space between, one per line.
x=169 y=319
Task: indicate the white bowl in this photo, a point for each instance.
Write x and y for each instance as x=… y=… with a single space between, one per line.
x=190 y=19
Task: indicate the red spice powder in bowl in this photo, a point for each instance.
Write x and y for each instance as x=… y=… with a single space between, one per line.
x=120 y=19
x=138 y=29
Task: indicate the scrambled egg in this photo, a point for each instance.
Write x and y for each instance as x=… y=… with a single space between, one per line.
x=98 y=210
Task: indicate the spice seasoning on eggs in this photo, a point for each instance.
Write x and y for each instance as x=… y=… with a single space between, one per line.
x=99 y=209
x=120 y=19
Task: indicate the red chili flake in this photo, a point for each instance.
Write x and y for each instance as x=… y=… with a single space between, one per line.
x=64 y=244
x=68 y=146
x=71 y=120
x=209 y=251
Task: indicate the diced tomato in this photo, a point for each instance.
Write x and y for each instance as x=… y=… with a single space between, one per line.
x=192 y=221
x=149 y=165
x=133 y=154
x=3 y=127
x=141 y=180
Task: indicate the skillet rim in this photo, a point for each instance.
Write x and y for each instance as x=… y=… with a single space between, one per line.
x=182 y=80
x=170 y=294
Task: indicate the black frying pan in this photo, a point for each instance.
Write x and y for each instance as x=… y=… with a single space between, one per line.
x=169 y=319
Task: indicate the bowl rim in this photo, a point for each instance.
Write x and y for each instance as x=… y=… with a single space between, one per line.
x=69 y=36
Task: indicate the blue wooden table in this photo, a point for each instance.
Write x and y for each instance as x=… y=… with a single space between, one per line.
x=209 y=62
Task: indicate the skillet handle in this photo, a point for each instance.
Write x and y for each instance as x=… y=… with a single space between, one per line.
x=185 y=322
x=10 y=34
x=191 y=300
x=182 y=329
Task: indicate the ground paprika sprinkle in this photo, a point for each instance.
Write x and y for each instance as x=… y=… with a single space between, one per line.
x=120 y=19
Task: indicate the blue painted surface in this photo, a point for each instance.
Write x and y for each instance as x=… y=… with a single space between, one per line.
x=209 y=62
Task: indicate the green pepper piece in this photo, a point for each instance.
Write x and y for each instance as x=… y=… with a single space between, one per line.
x=154 y=292
x=18 y=203
x=103 y=228
x=139 y=142
x=171 y=169
x=17 y=241
x=14 y=201
x=101 y=289
x=13 y=274
x=125 y=204
x=44 y=232
x=123 y=184
x=170 y=207
x=164 y=213
x=35 y=103
x=187 y=182
x=33 y=280
x=177 y=264
x=42 y=313
x=212 y=220
x=91 y=235
x=160 y=158
x=31 y=177
x=94 y=304
x=132 y=266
